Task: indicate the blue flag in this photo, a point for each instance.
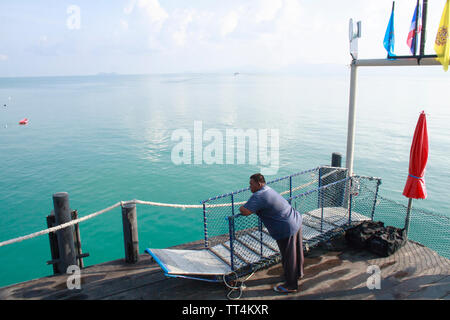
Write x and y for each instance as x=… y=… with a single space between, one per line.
x=389 y=39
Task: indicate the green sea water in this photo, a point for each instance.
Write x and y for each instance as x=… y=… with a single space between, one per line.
x=105 y=139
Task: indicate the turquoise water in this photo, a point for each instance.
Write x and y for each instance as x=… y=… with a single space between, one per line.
x=104 y=139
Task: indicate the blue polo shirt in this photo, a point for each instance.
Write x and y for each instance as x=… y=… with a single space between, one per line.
x=280 y=219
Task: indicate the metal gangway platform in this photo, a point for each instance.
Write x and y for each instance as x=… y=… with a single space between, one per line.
x=236 y=245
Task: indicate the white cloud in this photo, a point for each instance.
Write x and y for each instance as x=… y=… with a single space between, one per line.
x=3 y=57
x=266 y=10
x=43 y=40
x=129 y=7
x=179 y=29
x=229 y=23
x=155 y=13
x=123 y=24
x=264 y=33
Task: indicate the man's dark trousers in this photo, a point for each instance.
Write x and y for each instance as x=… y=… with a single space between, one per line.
x=291 y=249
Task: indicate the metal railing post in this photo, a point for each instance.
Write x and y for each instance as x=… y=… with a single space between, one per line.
x=318 y=188
x=350 y=201
x=231 y=230
x=375 y=200
x=321 y=211
x=232 y=204
x=261 y=236
x=290 y=189
x=205 y=228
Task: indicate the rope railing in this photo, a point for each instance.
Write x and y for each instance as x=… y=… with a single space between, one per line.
x=93 y=215
x=59 y=227
x=135 y=201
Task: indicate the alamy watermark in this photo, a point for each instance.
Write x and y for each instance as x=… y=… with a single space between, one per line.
x=74 y=280
x=214 y=146
x=374 y=281
x=73 y=21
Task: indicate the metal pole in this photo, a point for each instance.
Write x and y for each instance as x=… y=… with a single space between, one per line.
x=425 y=60
x=424 y=27
x=290 y=189
x=232 y=205
x=375 y=200
x=261 y=235
x=321 y=211
x=351 y=119
x=350 y=201
x=413 y=61
x=319 y=192
x=231 y=230
x=417 y=28
x=408 y=212
x=205 y=226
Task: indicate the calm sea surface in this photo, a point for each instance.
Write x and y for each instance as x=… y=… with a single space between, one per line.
x=105 y=139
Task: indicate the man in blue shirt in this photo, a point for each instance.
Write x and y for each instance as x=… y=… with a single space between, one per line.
x=284 y=225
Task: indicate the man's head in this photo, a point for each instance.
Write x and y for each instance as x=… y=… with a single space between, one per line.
x=257 y=181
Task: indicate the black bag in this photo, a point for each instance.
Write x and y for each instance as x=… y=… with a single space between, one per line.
x=387 y=241
x=359 y=235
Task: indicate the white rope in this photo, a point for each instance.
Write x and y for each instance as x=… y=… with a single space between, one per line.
x=59 y=227
x=241 y=286
x=149 y=203
x=309 y=183
x=171 y=205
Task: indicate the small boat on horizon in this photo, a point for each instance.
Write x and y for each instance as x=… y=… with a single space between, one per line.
x=23 y=121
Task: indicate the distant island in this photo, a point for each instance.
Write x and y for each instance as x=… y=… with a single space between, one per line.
x=107 y=74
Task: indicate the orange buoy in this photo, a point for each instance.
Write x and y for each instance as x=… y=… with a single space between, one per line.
x=23 y=121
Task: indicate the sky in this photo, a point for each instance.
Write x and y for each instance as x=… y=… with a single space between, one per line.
x=82 y=37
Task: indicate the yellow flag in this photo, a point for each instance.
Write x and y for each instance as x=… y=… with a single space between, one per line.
x=442 y=45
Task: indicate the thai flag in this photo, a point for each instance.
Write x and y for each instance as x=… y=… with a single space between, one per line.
x=413 y=33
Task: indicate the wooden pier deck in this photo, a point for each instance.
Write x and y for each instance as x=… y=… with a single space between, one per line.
x=332 y=271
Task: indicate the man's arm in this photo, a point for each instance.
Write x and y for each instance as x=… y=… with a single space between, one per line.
x=253 y=205
x=244 y=211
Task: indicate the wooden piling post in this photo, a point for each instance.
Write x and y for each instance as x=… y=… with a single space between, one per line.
x=54 y=251
x=332 y=197
x=66 y=245
x=77 y=237
x=130 y=233
x=336 y=159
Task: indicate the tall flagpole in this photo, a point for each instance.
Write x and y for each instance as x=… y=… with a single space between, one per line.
x=416 y=38
x=424 y=27
x=351 y=119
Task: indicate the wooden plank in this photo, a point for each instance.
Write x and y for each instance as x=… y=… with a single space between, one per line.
x=413 y=272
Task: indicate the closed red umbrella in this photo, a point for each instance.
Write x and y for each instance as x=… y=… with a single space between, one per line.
x=415 y=184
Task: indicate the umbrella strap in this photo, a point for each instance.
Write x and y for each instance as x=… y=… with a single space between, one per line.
x=415 y=177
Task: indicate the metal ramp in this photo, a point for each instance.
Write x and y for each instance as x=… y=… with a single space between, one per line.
x=189 y=262
x=235 y=244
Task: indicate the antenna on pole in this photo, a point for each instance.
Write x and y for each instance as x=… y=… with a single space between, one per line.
x=353 y=37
